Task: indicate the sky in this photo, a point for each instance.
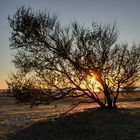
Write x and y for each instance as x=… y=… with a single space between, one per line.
x=126 y=13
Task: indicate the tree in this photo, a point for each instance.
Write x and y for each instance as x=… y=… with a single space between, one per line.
x=67 y=59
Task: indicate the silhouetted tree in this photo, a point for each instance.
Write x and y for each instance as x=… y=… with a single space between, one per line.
x=67 y=59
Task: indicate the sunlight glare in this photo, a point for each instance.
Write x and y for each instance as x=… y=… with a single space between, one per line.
x=93 y=80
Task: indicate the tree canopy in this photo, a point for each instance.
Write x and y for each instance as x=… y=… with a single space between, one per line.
x=76 y=60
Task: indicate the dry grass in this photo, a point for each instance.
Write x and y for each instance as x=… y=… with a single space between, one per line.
x=85 y=122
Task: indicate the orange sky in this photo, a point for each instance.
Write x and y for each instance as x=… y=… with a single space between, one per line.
x=3 y=85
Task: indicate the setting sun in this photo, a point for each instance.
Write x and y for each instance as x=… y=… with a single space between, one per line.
x=93 y=80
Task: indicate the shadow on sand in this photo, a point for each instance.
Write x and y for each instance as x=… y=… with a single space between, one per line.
x=92 y=124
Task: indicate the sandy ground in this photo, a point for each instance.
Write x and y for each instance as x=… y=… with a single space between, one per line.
x=85 y=122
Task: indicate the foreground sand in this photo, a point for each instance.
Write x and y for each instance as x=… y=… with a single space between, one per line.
x=85 y=122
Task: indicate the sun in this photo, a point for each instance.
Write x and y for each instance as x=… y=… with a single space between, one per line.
x=93 y=80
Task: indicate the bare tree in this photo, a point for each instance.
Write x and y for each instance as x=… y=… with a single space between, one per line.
x=67 y=59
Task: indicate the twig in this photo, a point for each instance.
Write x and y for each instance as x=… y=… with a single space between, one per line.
x=74 y=107
x=71 y=109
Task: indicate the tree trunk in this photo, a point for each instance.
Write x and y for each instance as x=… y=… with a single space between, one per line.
x=115 y=99
x=108 y=97
x=109 y=102
x=106 y=92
